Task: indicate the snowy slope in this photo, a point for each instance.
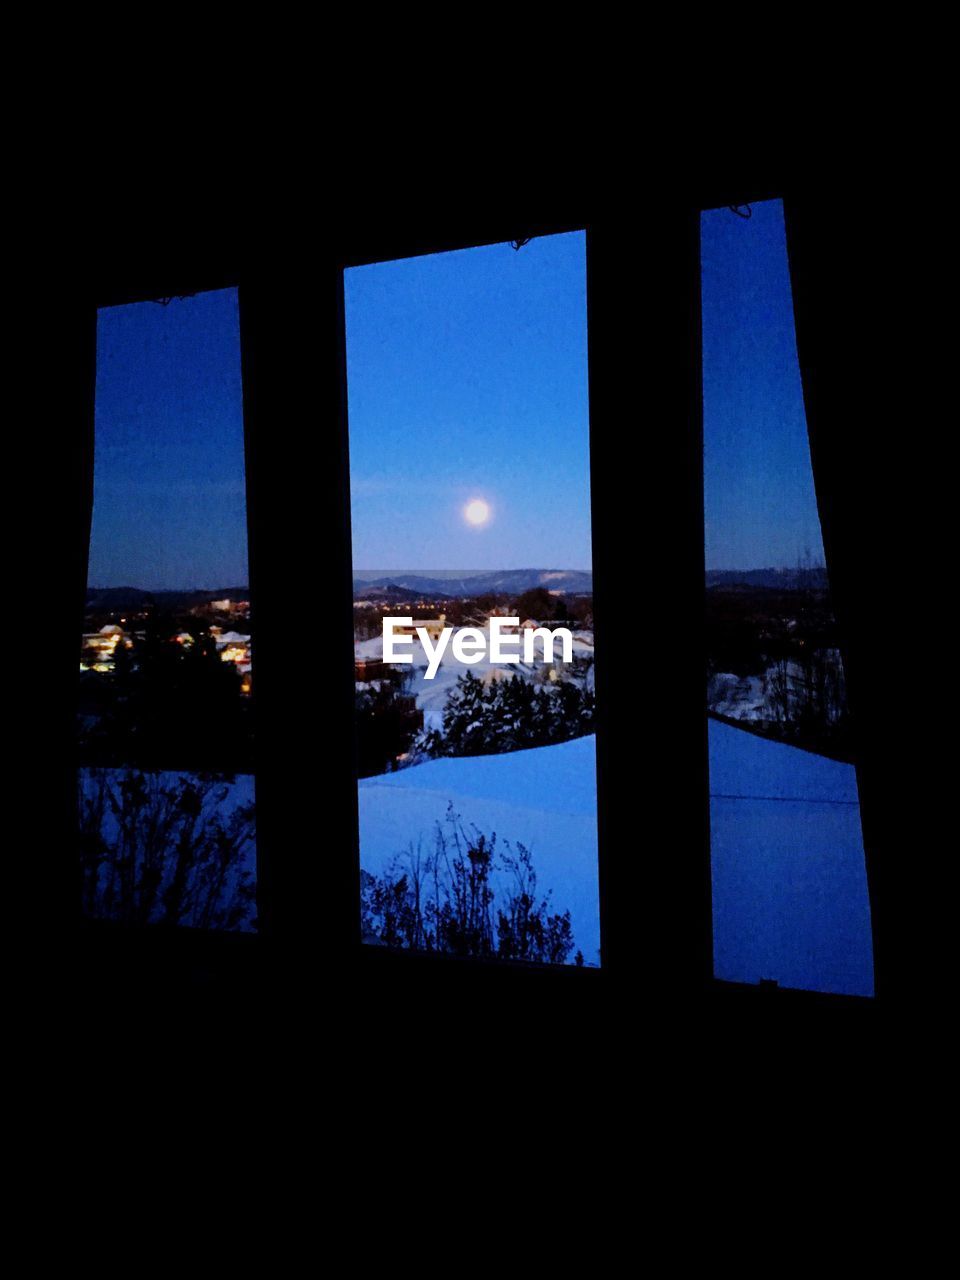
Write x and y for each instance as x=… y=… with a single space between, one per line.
x=789 y=881
x=789 y=885
x=544 y=798
x=742 y=763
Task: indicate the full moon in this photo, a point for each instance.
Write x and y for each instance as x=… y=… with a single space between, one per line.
x=477 y=511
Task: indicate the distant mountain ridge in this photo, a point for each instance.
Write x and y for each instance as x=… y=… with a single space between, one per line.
x=412 y=586
x=508 y=581
x=782 y=579
x=113 y=598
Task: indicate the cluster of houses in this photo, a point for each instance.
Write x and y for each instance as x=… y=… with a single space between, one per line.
x=236 y=648
x=99 y=649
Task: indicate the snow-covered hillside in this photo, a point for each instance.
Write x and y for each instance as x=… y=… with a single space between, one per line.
x=544 y=798
x=789 y=885
x=789 y=880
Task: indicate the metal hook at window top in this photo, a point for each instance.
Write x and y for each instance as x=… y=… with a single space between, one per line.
x=739 y=208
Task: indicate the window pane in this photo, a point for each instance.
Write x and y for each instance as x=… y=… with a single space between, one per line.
x=166 y=791
x=790 y=898
x=469 y=456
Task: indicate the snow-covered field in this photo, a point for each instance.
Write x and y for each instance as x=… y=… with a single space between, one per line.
x=789 y=880
x=545 y=798
x=789 y=884
x=432 y=694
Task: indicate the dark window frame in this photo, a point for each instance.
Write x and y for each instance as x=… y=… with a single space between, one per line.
x=310 y=340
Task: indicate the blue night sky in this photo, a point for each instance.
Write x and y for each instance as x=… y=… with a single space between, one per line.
x=467 y=378
x=758 y=483
x=169 y=506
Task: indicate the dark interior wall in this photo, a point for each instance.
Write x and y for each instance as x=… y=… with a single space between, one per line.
x=853 y=338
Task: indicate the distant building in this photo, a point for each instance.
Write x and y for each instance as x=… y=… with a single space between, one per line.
x=432 y=626
x=235 y=608
x=98 y=648
x=233 y=647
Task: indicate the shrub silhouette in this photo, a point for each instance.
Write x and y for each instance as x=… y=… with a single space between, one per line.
x=158 y=849
x=468 y=897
